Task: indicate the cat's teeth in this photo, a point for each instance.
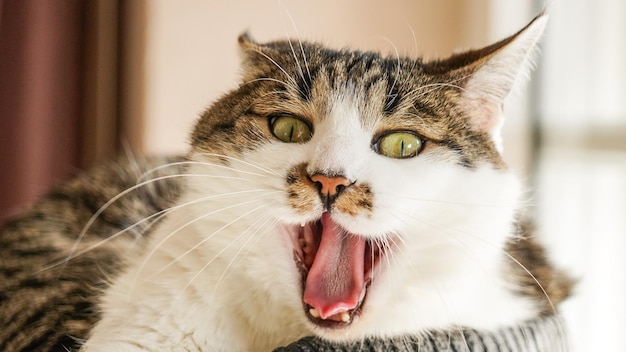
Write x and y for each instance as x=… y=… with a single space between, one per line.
x=314 y=313
x=302 y=224
x=345 y=317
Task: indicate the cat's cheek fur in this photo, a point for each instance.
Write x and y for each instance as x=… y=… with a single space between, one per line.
x=195 y=288
x=226 y=240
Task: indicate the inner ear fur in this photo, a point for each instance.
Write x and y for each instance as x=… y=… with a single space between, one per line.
x=488 y=75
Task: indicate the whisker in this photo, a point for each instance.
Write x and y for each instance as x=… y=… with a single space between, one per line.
x=293 y=84
x=533 y=277
x=261 y=222
x=518 y=263
x=306 y=63
x=415 y=46
x=228 y=157
x=195 y=276
x=183 y=163
x=398 y=249
x=106 y=205
x=268 y=79
x=451 y=235
x=434 y=87
x=158 y=215
x=295 y=28
x=398 y=72
x=273 y=223
x=295 y=57
x=170 y=235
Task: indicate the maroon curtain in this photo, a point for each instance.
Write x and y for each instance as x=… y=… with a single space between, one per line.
x=39 y=97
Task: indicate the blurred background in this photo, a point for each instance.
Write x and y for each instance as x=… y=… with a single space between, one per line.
x=85 y=81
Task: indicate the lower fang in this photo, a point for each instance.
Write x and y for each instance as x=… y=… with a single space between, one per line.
x=345 y=317
x=314 y=313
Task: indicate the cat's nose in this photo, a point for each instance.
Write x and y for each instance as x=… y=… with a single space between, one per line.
x=329 y=187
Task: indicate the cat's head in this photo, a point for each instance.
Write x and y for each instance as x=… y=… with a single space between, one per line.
x=355 y=186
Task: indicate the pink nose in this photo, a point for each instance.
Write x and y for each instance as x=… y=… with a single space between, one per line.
x=329 y=187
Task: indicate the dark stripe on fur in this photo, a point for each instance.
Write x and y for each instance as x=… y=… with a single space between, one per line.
x=51 y=309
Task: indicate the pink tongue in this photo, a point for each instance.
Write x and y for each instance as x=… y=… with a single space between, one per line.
x=336 y=279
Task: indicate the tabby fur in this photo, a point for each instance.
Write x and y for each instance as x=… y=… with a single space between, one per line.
x=83 y=263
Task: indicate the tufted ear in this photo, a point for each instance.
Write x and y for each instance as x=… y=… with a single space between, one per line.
x=246 y=43
x=250 y=52
x=488 y=75
x=256 y=58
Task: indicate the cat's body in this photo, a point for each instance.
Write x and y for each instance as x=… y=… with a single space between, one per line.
x=339 y=194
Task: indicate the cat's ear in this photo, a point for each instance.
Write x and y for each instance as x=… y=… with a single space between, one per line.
x=254 y=56
x=488 y=75
x=246 y=42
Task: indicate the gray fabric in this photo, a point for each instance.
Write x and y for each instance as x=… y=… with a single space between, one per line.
x=545 y=334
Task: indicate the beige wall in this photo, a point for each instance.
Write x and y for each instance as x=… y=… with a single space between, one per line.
x=190 y=53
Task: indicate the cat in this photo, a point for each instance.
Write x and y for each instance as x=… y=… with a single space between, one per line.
x=338 y=195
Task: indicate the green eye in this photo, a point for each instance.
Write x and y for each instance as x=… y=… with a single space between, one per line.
x=290 y=129
x=399 y=145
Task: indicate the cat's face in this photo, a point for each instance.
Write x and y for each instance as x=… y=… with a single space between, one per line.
x=353 y=189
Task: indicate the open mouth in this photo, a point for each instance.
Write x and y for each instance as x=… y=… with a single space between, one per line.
x=337 y=269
